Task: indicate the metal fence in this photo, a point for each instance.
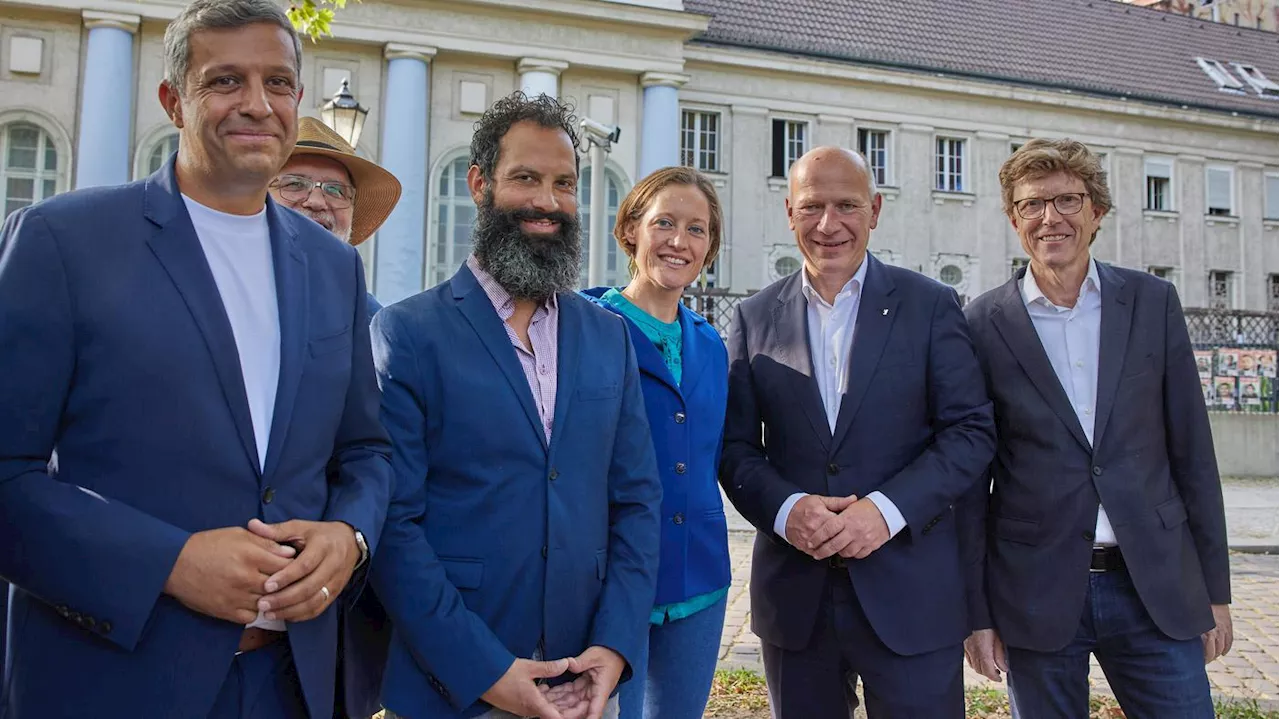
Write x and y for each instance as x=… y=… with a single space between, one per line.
x=1236 y=357
x=716 y=304
x=1236 y=350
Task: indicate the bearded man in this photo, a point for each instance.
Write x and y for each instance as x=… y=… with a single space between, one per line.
x=522 y=540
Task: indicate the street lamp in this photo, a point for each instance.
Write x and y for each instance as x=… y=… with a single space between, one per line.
x=344 y=115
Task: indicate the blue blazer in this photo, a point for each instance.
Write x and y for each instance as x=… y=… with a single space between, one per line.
x=497 y=541
x=687 y=423
x=118 y=353
x=914 y=423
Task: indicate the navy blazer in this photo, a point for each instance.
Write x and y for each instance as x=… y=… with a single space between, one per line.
x=687 y=423
x=119 y=354
x=915 y=424
x=496 y=541
x=1029 y=541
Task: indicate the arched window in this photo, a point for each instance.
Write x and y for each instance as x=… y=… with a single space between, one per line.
x=160 y=152
x=30 y=169
x=455 y=213
x=615 y=265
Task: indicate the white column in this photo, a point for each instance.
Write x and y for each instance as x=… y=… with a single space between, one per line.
x=539 y=76
x=106 y=105
x=400 y=255
x=660 y=122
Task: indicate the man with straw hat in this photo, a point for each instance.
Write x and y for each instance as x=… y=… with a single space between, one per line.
x=327 y=181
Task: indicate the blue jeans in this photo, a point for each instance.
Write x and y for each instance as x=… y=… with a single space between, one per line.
x=672 y=676
x=1152 y=675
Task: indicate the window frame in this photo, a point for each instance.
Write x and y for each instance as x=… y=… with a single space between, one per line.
x=719 y=135
x=1230 y=300
x=1231 y=190
x=963 y=186
x=1221 y=76
x=1267 y=198
x=1273 y=289
x=616 y=274
x=807 y=140
x=39 y=175
x=890 y=139
x=436 y=272
x=1171 y=179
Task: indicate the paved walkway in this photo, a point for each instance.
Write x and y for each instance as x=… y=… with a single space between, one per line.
x=1250 y=671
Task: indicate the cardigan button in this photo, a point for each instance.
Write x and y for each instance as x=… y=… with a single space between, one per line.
x=679 y=417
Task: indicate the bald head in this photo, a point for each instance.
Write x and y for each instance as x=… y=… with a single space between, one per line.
x=832 y=207
x=830 y=159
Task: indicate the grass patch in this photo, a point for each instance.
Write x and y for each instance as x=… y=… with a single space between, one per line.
x=741 y=694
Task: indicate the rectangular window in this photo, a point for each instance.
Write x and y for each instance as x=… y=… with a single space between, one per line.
x=790 y=141
x=1273 y=292
x=1164 y=273
x=1218 y=186
x=1159 y=175
x=1271 y=203
x=950 y=165
x=700 y=140
x=1220 y=76
x=1260 y=83
x=1221 y=290
x=874 y=145
x=1016 y=264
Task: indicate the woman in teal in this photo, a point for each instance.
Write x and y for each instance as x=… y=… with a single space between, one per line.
x=669 y=225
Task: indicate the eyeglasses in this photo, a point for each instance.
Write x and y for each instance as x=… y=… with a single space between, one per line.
x=1068 y=203
x=296 y=188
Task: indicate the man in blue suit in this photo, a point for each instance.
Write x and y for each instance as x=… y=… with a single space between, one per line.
x=875 y=421
x=196 y=356
x=522 y=539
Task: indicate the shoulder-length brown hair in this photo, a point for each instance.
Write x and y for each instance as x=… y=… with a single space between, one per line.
x=641 y=196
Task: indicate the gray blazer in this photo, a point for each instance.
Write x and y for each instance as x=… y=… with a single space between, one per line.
x=1027 y=543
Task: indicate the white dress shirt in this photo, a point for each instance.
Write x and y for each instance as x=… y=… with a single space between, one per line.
x=238 y=250
x=1071 y=337
x=831 y=330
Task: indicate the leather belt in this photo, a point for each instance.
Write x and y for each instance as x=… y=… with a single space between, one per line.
x=255 y=638
x=1106 y=559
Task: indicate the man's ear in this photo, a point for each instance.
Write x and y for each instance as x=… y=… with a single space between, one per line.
x=476 y=184
x=171 y=103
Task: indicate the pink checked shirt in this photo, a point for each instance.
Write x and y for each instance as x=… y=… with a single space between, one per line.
x=539 y=365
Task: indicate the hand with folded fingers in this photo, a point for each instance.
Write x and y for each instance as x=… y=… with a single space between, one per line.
x=327 y=557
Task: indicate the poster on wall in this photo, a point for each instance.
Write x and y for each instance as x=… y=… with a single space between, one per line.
x=1204 y=364
x=1247 y=364
x=1250 y=394
x=1206 y=390
x=1224 y=390
x=1267 y=363
x=1228 y=362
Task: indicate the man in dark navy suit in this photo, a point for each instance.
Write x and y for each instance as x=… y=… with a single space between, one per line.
x=874 y=421
x=197 y=356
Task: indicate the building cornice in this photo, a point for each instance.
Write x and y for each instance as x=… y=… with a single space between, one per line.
x=94 y=19
x=757 y=61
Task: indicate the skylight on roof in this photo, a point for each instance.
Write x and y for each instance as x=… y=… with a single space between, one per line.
x=1219 y=74
x=1259 y=82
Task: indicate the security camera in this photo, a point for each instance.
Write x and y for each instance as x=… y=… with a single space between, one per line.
x=600 y=132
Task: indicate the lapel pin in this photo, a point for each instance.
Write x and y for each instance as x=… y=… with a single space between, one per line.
x=884 y=312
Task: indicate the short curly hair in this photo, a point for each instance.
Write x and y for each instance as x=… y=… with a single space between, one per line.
x=1041 y=158
x=517 y=107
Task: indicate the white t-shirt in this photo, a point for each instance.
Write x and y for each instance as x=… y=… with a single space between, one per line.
x=238 y=249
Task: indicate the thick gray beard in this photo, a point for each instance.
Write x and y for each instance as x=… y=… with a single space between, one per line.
x=528 y=268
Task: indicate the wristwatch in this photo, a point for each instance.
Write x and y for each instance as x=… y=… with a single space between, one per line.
x=364 y=548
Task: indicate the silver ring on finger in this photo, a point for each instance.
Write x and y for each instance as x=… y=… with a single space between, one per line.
x=325 y=592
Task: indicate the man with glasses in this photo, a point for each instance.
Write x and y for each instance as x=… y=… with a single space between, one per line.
x=1102 y=529
x=328 y=182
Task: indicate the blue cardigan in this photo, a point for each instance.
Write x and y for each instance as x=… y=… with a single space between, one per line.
x=687 y=424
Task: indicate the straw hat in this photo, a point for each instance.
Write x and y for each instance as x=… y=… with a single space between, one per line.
x=377 y=190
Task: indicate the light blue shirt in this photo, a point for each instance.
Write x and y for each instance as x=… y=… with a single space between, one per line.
x=831 y=330
x=1071 y=337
